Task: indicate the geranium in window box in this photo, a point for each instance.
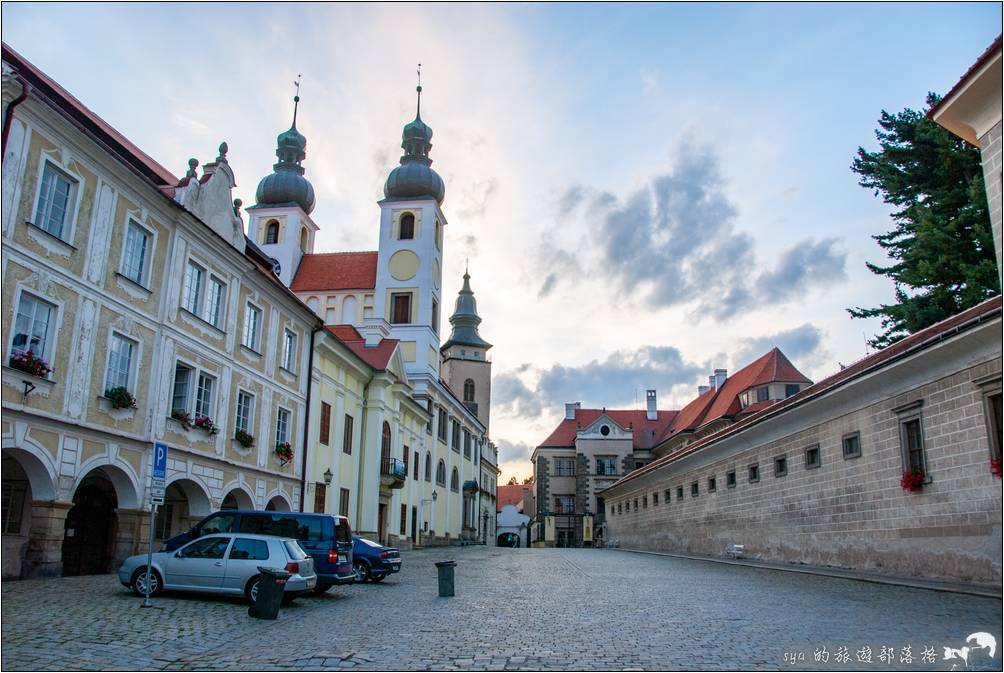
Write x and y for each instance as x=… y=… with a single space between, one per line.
x=995 y=466
x=205 y=423
x=120 y=397
x=27 y=361
x=913 y=480
x=245 y=439
x=182 y=417
x=284 y=452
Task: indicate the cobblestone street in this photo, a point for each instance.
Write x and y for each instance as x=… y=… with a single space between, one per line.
x=514 y=610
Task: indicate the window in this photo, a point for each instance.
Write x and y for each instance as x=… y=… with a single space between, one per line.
x=407 y=454
x=679 y=493
x=619 y=511
x=754 y=473
x=415 y=468
x=780 y=466
x=55 y=200
x=665 y=496
x=852 y=445
x=428 y=467
x=469 y=390
x=565 y=504
x=606 y=465
x=455 y=480
x=32 y=326
x=182 y=384
x=644 y=502
x=192 y=292
x=325 y=434
x=467 y=444
x=655 y=499
x=282 y=426
x=347 y=435
x=407 y=227
x=403 y=529
x=136 y=255
x=216 y=301
x=993 y=415
x=791 y=389
x=712 y=484
x=245 y=411
x=204 y=395
x=730 y=479
x=289 y=351
x=120 y=359
x=762 y=394
x=912 y=438
x=456 y=437
x=385 y=442
x=272 y=232
x=441 y=473
x=343 y=502
x=400 y=308
x=209 y=548
x=441 y=426
x=564 y=467
x=813 y=458
x=249 y=550
x=636 y=504
x=304 y=240
x=252 y=327
x=694 y=490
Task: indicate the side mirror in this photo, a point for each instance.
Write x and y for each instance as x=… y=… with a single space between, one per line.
x=177 y=554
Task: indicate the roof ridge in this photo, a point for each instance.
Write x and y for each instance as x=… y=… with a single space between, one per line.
x=343 y=252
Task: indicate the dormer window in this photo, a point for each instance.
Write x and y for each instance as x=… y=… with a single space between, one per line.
x=791 y=389
x=604 y=430
x=762 y=394
x=272 y=232
x=406 y=230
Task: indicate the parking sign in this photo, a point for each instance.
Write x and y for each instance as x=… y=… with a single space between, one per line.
x=159 y=460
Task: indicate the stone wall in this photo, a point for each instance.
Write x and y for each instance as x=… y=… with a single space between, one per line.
x=846 y=512
x=990 y=150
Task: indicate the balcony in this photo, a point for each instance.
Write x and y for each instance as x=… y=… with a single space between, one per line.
x=392 y=472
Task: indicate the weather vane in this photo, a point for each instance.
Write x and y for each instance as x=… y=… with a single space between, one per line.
x=296 y=97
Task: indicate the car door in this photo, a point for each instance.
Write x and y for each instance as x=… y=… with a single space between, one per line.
x=245 y=555
x=200 y=564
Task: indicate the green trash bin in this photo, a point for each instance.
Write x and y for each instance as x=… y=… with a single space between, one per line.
x=445 y=570
x=271 y=588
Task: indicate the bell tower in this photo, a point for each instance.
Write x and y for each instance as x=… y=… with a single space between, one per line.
x=466 y=368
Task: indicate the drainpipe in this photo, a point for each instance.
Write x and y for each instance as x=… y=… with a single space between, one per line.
x=8 y=116
x=306 y=420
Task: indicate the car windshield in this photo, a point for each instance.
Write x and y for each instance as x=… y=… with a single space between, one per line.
x=294 y=550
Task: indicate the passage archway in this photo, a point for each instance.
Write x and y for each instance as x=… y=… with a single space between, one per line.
x=278 y=504
x=91 y=526
x=237 y=499
x=185 y=503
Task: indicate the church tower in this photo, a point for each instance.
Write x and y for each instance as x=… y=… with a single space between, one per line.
x=409 y=262
x=279 y=223
x=466 y=368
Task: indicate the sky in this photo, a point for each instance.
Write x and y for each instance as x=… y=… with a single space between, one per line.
x=645 y=192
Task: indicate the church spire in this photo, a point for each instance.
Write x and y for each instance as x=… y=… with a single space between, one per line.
x=286 y=185
x=465 y=319
x=415 y=178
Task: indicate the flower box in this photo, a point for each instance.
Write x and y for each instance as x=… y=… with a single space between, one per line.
x=245 y=439
x=913 y=480
x=284 y=452
x=120 y=398
x=183 y=418
x=27 y=361
x=206 y=424
x=995 y=466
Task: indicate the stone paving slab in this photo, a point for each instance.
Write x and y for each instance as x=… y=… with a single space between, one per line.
x=515 y=609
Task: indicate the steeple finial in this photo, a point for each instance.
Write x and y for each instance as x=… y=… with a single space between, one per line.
x=418 y=89
x=296 y=98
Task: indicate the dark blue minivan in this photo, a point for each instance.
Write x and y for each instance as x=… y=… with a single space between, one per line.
x=327 y=538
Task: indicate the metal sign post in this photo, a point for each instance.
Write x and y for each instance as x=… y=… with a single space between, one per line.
x=157 y=482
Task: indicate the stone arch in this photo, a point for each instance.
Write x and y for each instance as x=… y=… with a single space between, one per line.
x=120 y=474
x=278 y=502
x=199 y=500
x=271 y=232
x=37 y=466
x=242 y=497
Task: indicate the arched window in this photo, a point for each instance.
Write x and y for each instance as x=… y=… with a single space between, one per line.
x=469 y=390
x=304 y=239
x=441 y=473
x=455 y=480
x=272 y=232
x=407 y=227
x=428 y=467
x=385 y=443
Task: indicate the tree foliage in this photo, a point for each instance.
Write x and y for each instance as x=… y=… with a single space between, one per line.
x=941 y=245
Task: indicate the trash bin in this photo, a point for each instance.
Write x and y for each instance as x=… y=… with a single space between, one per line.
x=445 y=570
x=271 y=587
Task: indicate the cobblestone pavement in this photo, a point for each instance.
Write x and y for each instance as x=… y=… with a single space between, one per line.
x=515 y=609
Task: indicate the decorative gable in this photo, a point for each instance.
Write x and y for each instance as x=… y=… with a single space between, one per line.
x=604 y=427
x=210 y=198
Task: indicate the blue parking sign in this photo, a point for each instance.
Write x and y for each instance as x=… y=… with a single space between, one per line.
x=159 y=460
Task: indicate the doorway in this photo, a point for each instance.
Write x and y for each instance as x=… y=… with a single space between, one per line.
x=381 y=517
x=414 y=525
x=90 y=527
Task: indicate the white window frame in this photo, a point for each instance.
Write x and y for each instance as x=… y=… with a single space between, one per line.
x=289 y=352
x=130 y=384
x=191 y=392
x=289 y=422
x=250 y=412
x=215 y=283
x=51 y=330
x=210 y=404
x=193 y=372
x=72 y=202
x=190 y=304
x=151 y=237
x=250 y=306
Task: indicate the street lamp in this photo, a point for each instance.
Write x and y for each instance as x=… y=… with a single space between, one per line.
x=328 y=477
x=422 y=509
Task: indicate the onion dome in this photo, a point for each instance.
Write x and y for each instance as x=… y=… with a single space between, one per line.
x=415 y=178
x=286 y=185
x=465 y=320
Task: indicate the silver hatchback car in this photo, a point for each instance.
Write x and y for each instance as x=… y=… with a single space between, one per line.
x=223 y=564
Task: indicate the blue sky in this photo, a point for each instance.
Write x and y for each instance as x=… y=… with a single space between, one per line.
x=645 y=192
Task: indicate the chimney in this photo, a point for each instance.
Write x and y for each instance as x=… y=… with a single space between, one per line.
x=652 y=413
x=711 y=381
x=702 y=389
x=720 y=376
x=570 y=408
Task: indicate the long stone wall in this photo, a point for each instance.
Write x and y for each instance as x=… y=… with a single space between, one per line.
x=846 y=512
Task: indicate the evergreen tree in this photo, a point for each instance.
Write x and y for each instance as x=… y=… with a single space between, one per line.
x=941 y=246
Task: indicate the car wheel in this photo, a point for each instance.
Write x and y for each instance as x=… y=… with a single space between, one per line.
x=138 y=582
x=361 y=570
x=251 y=590
x=321 y=589
x=377 y=577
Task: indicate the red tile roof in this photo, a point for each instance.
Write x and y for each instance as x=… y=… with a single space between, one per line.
x=377 y=357
x=645 y=432
x=510 y=494
x=918 y=341
x=336 y=271
x=983 y=58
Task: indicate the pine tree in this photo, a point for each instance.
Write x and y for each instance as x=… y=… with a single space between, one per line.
x=941 y=246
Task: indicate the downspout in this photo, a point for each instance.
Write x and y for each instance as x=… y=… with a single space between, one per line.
x=8 y=116
x=306 y=419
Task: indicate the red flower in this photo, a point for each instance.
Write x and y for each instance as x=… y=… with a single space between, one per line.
x=995 y=466
x=912 y=480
